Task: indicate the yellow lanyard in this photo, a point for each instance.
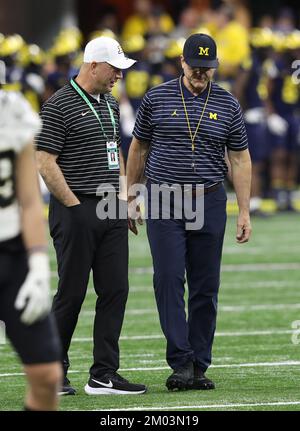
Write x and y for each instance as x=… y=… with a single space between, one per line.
x=187 y=115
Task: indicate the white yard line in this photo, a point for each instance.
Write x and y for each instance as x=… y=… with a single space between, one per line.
x=242 y=365
x=261 y=267
x=218 y=334
x=207 y=406
x=131 y=338
x=11 y=374
x=225 y=285
x=221 y=308
x=244 y=267
x=265 y=284
x=130 y=312
x=259 y=307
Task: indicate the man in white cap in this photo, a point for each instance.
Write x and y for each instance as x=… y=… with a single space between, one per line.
x=78 y=151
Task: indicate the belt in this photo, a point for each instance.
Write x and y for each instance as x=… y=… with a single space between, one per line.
x=84 y=197
x=206 y=190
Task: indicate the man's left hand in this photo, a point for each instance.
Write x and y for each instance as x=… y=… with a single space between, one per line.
x=243 y=228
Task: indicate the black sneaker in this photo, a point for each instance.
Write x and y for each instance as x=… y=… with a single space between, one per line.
x=66 y=388
x=112 y=383
x=200 y=380
x=182 y=377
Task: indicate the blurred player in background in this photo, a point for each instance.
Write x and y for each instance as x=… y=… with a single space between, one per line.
x=232 y=39
x=24 y=65
x=10 y=47
x=64 y=54
x=150 y=36
x=141 y=21
x=250 y=89
x=24 y=266
x=282 y=104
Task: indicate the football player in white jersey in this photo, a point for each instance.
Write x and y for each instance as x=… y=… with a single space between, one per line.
x=24 y=267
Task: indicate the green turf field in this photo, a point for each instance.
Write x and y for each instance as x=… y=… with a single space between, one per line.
x=256 y=366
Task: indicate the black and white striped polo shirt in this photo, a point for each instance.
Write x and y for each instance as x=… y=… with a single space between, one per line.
x=161 y=121
x=71 y=130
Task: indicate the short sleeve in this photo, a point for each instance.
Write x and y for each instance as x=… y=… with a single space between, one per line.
x=237 y=137
x=53 y=133
x=19 y=123
x=143 y=124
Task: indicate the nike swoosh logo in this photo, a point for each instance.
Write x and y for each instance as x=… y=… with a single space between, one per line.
x=84 y=113
x=107 y=385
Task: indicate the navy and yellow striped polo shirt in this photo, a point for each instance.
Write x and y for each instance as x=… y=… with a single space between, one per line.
x=161 y=121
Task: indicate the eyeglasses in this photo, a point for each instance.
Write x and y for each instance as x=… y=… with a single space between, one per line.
x=200 y=69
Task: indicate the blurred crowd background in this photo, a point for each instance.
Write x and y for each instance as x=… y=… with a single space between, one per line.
x=258 y=49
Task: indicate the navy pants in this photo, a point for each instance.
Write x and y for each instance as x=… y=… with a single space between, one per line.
x=196 y=253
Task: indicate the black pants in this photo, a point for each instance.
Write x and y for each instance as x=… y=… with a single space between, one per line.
x=84 y=242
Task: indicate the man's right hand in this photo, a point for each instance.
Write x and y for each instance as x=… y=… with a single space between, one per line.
x=134 y=215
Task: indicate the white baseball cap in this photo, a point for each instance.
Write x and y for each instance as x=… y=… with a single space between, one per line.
x=106 y=49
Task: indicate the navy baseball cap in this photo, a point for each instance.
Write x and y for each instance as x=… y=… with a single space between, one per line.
x=200 y=50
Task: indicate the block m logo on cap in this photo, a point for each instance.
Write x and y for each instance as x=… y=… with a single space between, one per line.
x=203 y=51
x=120 y=50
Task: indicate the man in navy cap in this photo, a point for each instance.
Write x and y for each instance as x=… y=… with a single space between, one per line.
x=182 y=130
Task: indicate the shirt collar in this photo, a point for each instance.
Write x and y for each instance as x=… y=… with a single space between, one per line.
x=186 y=93
x=91 y=98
